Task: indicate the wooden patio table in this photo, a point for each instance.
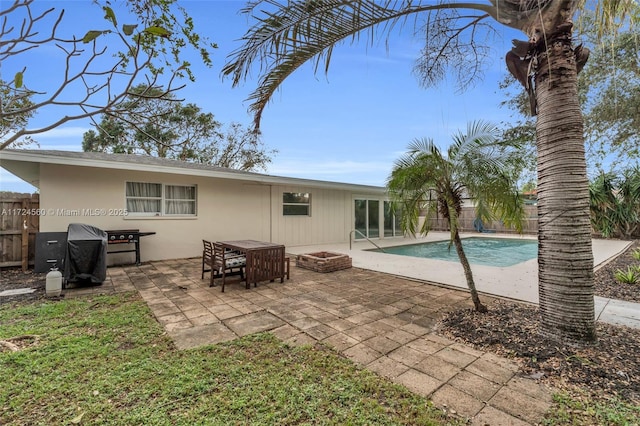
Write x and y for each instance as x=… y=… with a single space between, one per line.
x=265 y=261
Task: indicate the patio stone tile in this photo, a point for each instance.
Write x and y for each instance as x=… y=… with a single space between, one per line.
x=438 y=368
x=193 y=337
x=426 y=322
x=415 y=329
x=340 y=341
x=389 y=310
x=340 y=324
x=490 y=370
x=253 y=323
x=387 y=367
x=187 y=304
x=359 y=319
x=395 y=322
x=531 y=388
x=425 y=345
x=305 y=323
x=291 y=316
x=439 y=339
x=351 y=310
x=474 y=385
x=300 y=339
x=207 y=319
x=197 y=312
x=362 y=354
x=321 y=332
x=422 y=311
x=227 y=313
x=246 y=308
x=519 y=405
x=382 y=344
x=407 y=356
x=492 y=416
x=361 y=332
x=418 y=382
x=466 y=349
x=179 y=325
x=285 y=332
x=151 y=294
x=381 y=327
x=456 y=357
x=463 y=403
x=200 y=294
x=400 y=336
x=171 y=318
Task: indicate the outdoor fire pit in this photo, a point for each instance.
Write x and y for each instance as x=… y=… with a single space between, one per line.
x=323 y=261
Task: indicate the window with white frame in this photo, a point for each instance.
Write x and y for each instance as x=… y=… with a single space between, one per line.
x=296 y=204
x=156 y=199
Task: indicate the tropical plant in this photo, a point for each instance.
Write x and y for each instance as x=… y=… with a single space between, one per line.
x=630 y=276
x=636 y=254
x=287 y=35
x=475 y=166
x=615 y=204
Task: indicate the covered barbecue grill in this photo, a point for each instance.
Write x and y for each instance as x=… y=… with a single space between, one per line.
x=86 y=255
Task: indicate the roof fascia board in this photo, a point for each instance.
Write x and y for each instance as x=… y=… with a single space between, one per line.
x=251 y=177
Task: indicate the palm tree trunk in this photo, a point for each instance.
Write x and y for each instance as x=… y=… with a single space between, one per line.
x=565 y=259
x=457 y=242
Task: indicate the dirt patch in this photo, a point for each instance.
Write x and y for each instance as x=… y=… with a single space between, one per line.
x=14 y=278
x=611 y=368
x=605 y=284
x=18 y=343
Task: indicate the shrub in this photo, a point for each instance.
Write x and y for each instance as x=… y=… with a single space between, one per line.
x=630 y=276
x=636 y=254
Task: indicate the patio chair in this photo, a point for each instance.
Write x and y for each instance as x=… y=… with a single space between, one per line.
x=221 y=262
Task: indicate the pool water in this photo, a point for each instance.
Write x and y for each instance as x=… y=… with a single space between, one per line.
x=479 y=250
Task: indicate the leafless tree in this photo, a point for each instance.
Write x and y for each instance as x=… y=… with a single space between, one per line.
x=99 y=69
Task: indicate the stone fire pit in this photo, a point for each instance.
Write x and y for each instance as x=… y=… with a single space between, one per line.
x=323 y=261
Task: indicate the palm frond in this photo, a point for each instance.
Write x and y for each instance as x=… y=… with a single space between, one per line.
x=287 y=35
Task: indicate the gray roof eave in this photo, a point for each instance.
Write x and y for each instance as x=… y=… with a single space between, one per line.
x=158 y=165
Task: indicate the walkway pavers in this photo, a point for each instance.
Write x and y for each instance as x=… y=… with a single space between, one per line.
x=381 y=322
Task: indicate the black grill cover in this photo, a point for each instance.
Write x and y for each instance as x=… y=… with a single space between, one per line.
x=86 y=257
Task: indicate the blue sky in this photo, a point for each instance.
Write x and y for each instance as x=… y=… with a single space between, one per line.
x=348 y=126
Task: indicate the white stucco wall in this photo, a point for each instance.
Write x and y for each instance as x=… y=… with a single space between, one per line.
x=226 y=210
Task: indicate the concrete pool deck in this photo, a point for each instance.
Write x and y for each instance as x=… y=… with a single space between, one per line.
x=518 y=282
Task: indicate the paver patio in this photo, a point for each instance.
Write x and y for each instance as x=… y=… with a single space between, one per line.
x=382 y=322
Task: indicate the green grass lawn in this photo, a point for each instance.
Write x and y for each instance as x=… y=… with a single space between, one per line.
x=105 y=360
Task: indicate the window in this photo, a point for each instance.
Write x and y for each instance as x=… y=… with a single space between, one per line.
x=155 y=199
x=296 y=204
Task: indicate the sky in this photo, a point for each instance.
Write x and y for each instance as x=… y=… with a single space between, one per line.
x=347 y=126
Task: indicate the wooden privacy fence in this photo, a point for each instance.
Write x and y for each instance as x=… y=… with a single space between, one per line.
x=468 y=216
x=19 y=223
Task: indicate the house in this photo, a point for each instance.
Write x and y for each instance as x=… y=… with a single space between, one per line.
x=184 y=203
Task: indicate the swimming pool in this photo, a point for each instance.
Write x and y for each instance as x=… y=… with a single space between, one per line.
x=479 y=250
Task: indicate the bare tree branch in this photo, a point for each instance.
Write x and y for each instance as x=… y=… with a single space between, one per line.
x=89 y=88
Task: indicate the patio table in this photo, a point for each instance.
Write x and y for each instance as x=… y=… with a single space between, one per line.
x=265 y=261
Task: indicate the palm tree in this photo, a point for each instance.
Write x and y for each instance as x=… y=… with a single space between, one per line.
x=475 y=165
x=289 y=34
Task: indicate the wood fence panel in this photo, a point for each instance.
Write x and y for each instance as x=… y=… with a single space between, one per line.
x=468 y=215
x=19 y=223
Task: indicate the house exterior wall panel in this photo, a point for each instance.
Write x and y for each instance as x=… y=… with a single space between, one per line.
x=330 y=221
x=225 y=209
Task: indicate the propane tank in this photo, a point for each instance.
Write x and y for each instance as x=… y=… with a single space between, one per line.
x=54 y=282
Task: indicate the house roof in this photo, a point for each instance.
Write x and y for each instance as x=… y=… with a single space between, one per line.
x=25 y=164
